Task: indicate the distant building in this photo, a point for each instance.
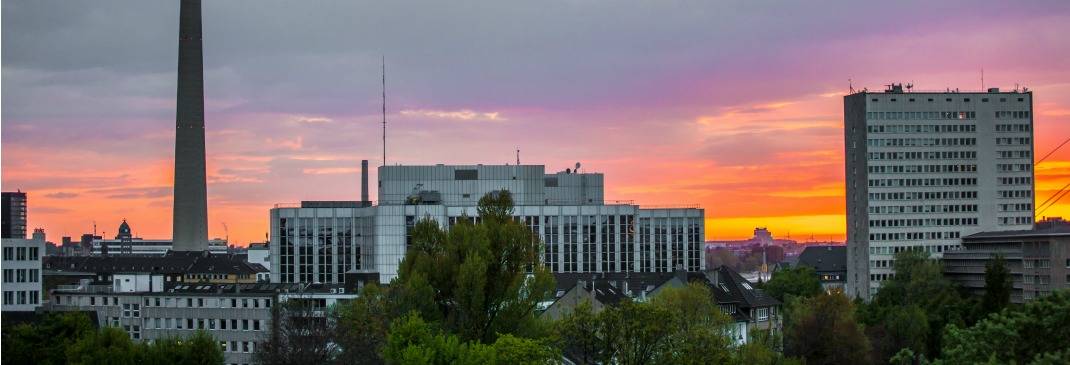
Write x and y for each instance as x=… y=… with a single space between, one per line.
x=14 y=215
x=830 y=264
x=1038 y=260
x=924 y=169
x=260 y=254
x=128 y=273
x=320 y=241
x=125 y=243
x=22 y=273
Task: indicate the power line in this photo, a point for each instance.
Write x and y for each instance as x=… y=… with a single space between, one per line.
x=1053 y=196
x=1060 y=196
x=1052 y=152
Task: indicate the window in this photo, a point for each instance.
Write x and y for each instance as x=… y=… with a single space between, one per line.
x=9 y=253
x=466 y=174
x=256 y=325
x=20 y=253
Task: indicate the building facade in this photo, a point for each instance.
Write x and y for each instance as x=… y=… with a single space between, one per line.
x=14 y=215
x=1038 y=260
x=22 y=273
x=320 y=241
x=924 y=169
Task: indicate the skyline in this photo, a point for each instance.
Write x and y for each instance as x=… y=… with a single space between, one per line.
x=753 y=133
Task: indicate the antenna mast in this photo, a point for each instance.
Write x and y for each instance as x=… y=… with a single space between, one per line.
x=384 y=110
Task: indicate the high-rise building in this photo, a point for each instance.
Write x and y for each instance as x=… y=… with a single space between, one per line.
x=14 y=215
x=581 y=232
x=924 y=169
x=191 y=196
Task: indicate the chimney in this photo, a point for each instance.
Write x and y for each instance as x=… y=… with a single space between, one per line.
x=364 y=202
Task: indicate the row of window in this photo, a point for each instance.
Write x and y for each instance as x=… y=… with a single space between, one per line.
x=1010 y=194
x=22 y=297
x=892 y=250
x=947 y=181
x=1013 y=141
x=1016 y=180
x=1014 y=167
x=923 y=222
x=1015 y=154
x=922 y=128
x=1013 y=221
x=22 y=275
x=930 y=208
x=246 y=346
x=908 y=236
x=169 y=302
x=965 y=100
x=210 y=324
x=918 y=169
x=923 y=142
x=921 y=115
x=21 y=254
x=1012 y=114
x=923 y=155
x=924 y=195
x=1013 y=128
x=1018 y=207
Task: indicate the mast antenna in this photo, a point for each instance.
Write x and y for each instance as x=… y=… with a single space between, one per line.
x=384 y=110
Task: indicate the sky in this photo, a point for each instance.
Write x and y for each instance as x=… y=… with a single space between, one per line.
x=732 y=105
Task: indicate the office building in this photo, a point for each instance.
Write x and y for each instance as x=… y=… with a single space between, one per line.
x=126 y=243
x=924 y=169
x=190 y=215
x=14 y=215
x=320 y=241
x=1038 y=260
x=22 y=272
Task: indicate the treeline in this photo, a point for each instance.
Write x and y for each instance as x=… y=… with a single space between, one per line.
x=71 y=338
x=920 y=317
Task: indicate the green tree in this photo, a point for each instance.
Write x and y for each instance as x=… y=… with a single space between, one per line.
x=46 y=341
x=700 y=326
x=800 y=281
x=414 y=341
x=823 y=330
x=997 y=286
x=482 y=279
x=580 y=334
x=1035 y=331
x=363 y=325
x=109 y=346
x=199 y=349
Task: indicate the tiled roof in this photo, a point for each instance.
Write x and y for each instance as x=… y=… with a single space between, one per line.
x=825 y=258
x=172 y=263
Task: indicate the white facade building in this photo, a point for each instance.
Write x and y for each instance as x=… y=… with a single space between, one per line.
x=926 y=168
x=22 y=273
x=320 y=241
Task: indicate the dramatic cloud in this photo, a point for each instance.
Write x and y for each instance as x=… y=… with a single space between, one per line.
x=736 y=106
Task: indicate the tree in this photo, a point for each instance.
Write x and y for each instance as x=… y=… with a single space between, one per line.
x=482 y=279
x=918 y=281
x=823 y=330
x=997 y=286
x=363 y=325
x=800 y=281
x=699 y=336
x=581 y=335
x=45 y=342
x=1036 y=331
x=414 y=341
x=110 y=346
x=300 y=334
x=200 y=348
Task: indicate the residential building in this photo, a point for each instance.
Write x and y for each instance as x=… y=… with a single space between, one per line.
x=22 y=273
x=13 y=215
x=924 y=169
x=1038 y=260
x=829 y=263
x=127 y=273
x=260 y=254
x=319 y=241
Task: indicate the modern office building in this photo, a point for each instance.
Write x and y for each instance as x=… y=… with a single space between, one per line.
x=320 y=241
x=22 y=273
x=1038 y=260
x=924 y=169
x=14 y=215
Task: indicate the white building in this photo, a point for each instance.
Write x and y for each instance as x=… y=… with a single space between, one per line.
x=259 y=253
x=320 y=241
x=22 y=273
x=125 y=243
x=926 y=168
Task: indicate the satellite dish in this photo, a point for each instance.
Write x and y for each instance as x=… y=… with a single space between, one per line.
x=577 y=166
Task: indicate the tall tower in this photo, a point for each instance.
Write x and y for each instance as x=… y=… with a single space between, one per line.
x=191 y=195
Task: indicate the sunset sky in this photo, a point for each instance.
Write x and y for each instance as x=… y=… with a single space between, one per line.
x=735 y=106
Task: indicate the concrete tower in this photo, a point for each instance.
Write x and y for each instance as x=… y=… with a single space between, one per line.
x=191 y=196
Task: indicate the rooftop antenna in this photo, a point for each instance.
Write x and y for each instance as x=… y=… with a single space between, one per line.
x=518 y=156
x=982 y=78
x=850 y=86
x=226 y=233
x=384 y=110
